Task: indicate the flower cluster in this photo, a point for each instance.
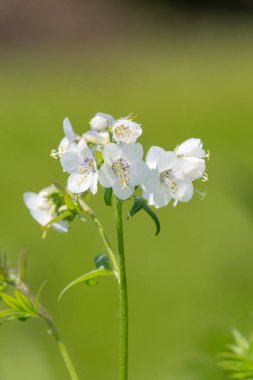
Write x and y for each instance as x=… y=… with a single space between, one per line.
x=109 y=154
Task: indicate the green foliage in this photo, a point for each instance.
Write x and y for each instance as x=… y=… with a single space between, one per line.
x=20 y=307
x=140 y=204
x=103 y=270
x=102 y=261
x=239 y=359
x=108 y=196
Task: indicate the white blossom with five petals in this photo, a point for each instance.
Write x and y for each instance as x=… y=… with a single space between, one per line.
x=166 y=180
x=126 y=131
x=123 y=169
x=80 y=163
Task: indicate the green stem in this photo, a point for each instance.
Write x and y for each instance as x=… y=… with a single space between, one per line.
x=64 y=353
x=102 y=234
x=123 y=294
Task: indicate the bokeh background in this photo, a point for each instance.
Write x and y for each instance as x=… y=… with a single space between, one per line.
x=185 y=69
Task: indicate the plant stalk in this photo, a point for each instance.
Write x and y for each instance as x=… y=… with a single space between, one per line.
x=123 y=293
x=87 y=209
x=63 y=350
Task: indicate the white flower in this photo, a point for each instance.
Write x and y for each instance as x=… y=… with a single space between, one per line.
x=69 y=139
x=97 y=138
x=101 y=121
x=126 y=131
x=191 y=155
x=123 y=168
x=166 y=180
x=191 y=148
x=79 y=162
x=43 y=207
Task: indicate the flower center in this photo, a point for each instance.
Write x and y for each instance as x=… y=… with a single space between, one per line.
x=88 y=167
x=166 y=177
x=122 y=131
x=120 y=168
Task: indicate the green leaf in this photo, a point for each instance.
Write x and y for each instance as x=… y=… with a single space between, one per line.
x=86 y=278
x=99 y=156
x=102 y=261
x=108 y=196
x=10 y=301
x=58 y=218
x=8 y=313
x=24 y=302
x=37 y=298
x=67 y=198
x=140 y=204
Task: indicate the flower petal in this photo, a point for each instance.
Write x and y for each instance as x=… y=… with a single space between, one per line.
x=161 y=197
x=111 y=152
x=106 y=176
x=191 y=148
x=153 y=156
x=68 y=130
x=122 y=192
x=166 y=161
x=132 y=152
x=71 y=161
x=78 y=183
x=61 y=226
x=84 y=150
x=94 y=183
x=139 y=173
x=152 y=181
x=183 y=192
x=32 y=201
x=193 y=168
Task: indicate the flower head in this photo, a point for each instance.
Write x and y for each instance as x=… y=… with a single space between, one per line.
x=45 y=206
x=123 y=168
x=126 y=131
x=80 y=163
x=166 y=180
x=191 y=155
x=101 y=121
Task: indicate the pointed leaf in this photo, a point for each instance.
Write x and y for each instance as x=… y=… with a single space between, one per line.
x=87 y=277
x=108 y=196
x=23 y=301
x=67 y=198
x=153 y=215
x=58 y=218
x=10 y=301
x=140 y=204
x=99 y=156
x=37 y=299
x=137 y=206
x=8 y=313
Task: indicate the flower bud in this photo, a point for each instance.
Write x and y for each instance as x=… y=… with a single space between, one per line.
x=101 y=121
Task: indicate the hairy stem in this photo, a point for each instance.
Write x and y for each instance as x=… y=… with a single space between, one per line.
x=123 y=294
x=64 y=353
x=103 y=236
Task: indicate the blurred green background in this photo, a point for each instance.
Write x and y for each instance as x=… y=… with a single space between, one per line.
x=190 y=285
